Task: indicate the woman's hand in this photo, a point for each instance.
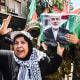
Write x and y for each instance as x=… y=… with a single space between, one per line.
x=4 y=28
x=59 y=49
x=72 y=38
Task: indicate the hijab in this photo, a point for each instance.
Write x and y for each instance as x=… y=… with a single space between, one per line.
x=29 y=45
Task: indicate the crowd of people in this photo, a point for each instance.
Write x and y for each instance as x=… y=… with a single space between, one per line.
x=28 y=59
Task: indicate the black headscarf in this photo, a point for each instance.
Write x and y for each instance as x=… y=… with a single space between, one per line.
x=29 y=45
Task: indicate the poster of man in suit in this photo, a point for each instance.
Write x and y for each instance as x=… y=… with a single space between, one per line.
x=55 y=27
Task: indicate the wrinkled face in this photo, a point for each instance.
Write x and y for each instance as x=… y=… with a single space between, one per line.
x=21 y=47
x=55 y=22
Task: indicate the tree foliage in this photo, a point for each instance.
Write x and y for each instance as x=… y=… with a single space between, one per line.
x=59 y=4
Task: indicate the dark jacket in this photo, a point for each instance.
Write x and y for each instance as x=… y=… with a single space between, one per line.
x=5 y=42
x=9 y=68
x=49 y=37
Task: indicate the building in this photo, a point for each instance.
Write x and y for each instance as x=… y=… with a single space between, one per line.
x=16 y=8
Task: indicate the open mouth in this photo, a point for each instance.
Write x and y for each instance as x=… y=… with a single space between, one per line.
x=20 y=51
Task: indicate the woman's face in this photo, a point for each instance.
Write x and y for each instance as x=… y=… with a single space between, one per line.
x=21 y=47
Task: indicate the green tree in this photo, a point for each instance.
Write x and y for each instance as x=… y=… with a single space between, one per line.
x=41 y=5
x=59 y=4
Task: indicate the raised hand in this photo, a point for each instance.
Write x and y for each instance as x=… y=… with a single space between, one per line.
x=59 y=49
x=44 y=46
x=72 y=38
x=4 y=28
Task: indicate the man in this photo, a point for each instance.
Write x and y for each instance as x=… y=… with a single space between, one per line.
x=54 y=33
x=75 y=51
x=33 y=27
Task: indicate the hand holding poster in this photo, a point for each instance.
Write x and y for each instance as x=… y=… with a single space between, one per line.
x=74 y=29
x=55 y=28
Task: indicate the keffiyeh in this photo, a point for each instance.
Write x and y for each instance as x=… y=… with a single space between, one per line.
x=29 y=69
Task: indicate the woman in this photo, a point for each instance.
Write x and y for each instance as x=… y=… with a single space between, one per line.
x=25 y=62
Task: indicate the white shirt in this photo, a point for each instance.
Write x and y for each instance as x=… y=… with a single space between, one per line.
x=55 y=32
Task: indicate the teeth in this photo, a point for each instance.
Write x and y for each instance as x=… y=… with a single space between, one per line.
x=20 y=51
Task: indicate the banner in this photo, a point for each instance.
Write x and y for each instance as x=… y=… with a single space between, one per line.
x=54 y=29
x=69 y=24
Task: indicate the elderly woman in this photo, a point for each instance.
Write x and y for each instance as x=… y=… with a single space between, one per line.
x=25 y=62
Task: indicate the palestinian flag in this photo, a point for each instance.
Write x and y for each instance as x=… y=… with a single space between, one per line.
x=74 y=24
x=68 y=22
x=45 y=11
x=32 y=14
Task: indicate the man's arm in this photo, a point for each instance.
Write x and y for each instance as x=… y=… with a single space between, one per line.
x=54 y=64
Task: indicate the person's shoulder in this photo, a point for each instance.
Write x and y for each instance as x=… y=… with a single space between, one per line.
x=40 y=54
x=47 y=30
x=62 y=29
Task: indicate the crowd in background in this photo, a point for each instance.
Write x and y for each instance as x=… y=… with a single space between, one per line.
x=69 y=56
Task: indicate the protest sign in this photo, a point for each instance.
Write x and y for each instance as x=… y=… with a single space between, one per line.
x=55 y=27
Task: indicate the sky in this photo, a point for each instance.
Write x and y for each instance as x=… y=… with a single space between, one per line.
x=76 y=4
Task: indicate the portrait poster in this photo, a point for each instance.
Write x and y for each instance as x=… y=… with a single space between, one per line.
x=55 y=27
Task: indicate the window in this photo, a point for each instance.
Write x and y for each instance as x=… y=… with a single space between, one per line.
x=2 y=2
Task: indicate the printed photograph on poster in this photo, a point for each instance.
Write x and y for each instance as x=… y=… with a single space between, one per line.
x=55 y=27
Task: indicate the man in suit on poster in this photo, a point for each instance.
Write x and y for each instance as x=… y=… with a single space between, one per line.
x=54 y=33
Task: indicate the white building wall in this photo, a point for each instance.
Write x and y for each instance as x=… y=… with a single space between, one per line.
x=10 y=4
x=23 y=9
x=17 y=6
x=3 y=9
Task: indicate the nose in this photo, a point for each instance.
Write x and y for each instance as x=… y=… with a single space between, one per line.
x=19 y=45
x=55 y=20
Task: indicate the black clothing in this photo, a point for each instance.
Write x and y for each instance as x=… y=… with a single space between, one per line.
x=49 y=37
x=10 y=68
x=5 y=42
